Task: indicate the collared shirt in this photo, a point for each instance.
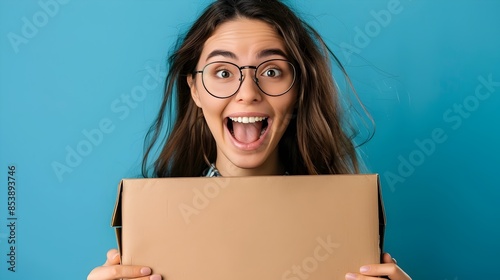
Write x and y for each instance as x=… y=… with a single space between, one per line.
x=213 y=172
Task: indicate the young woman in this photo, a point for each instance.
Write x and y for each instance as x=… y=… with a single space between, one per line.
x=251 y=92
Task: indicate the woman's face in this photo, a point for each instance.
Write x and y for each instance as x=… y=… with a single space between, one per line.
x=247 y=126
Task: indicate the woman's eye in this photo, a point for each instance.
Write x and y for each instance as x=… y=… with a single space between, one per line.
x=272 y=73
x=223 y=74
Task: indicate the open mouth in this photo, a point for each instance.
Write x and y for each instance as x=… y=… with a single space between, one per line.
x=247 y=129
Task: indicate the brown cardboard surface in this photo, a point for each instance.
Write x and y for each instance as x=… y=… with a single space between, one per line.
x=247 y=228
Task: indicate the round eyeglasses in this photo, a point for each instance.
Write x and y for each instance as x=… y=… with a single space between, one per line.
x=223 y=79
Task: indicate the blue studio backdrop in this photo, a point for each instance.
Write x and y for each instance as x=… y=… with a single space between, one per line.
x=80 y=83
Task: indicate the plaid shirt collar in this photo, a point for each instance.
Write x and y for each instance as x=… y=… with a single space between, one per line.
x=213 y=172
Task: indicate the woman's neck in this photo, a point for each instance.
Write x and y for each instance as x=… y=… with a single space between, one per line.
x=272 y=166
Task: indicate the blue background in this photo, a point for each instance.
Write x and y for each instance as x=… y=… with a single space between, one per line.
x=85 y=63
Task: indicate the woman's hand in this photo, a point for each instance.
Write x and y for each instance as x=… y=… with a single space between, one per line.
x=112 y=269
x=388 y=268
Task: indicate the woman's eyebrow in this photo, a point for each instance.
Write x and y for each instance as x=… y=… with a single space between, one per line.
x=223 y=53
x=271 y=52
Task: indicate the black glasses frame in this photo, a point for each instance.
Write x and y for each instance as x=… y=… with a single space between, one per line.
x=242 y=77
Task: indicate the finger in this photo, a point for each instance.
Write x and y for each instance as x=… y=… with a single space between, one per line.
x=112 y=257
x=122 y=271
x=387 y=269
x=387 y=258
x=356 y=276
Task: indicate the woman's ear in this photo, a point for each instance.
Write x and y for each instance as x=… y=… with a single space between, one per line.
x=194 y=92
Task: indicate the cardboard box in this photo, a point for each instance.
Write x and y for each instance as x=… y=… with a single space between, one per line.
x=248 y=228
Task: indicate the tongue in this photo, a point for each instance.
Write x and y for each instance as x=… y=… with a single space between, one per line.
x=247 y=132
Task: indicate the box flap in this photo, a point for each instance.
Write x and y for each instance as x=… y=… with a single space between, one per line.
x=116 y=219
x=381 y=217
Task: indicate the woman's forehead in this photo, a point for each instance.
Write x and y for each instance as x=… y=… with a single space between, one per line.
x=243 y=38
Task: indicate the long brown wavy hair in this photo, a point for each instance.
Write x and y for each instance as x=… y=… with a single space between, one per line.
x=316 y=140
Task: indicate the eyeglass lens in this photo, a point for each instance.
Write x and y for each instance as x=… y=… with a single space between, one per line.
x=273 y=77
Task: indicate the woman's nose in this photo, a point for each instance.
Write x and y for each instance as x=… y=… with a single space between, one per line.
x=249 y=92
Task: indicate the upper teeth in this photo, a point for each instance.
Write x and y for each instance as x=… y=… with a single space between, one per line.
x=247 y=119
